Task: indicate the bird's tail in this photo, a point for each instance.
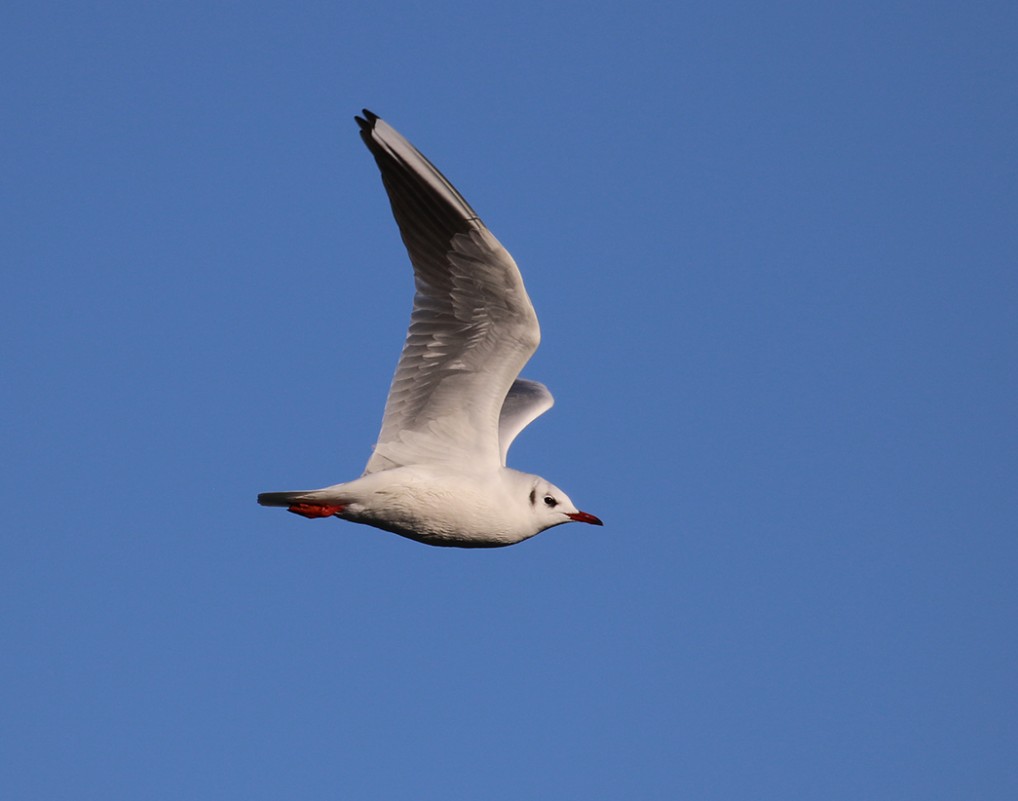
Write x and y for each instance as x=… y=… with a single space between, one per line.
x=306 y=503
x=325 y=495
x=284 y=498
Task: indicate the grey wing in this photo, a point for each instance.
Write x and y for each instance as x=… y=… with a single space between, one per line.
x=472 y=327
x=526 y=401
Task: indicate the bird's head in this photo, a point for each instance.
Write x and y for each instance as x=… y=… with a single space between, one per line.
x=552 y=507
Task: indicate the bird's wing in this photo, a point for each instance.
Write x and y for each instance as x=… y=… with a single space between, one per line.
x=472 y=327
x=526 y=401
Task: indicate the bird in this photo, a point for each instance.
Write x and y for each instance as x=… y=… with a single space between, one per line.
x=437 y=473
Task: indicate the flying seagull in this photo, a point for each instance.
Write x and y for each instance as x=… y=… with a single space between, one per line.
x=438 y=472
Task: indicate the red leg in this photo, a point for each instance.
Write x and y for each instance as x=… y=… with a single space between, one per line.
x=313 y=510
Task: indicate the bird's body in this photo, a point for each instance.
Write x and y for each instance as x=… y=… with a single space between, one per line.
x=436 y=505
x=437 y=474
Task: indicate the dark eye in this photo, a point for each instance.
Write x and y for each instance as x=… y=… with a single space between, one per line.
x=550 y=502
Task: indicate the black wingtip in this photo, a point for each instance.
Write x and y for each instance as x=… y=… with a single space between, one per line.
x=367 y=122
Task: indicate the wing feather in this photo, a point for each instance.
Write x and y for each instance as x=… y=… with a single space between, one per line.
x=526 y=401
x=472 y=328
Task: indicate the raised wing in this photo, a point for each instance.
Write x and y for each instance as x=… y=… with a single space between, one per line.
x=472 y=327
x=526 y=401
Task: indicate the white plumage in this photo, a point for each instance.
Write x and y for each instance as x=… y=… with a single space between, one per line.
x=437 y=473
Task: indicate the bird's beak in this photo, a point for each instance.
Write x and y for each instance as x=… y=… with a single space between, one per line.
x=583 y=517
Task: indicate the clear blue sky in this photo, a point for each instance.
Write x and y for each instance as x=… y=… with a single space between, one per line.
x=773 y=248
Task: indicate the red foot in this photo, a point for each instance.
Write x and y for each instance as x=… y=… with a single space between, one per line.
x=313 y=510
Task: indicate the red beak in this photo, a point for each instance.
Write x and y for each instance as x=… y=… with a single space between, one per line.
x=583 y=517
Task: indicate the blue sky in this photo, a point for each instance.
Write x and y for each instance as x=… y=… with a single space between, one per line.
x=773 y=250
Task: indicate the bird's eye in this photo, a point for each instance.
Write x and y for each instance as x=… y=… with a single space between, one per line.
x=550 y=502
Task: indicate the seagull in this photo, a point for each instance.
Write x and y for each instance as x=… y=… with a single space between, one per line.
x=438 y=472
